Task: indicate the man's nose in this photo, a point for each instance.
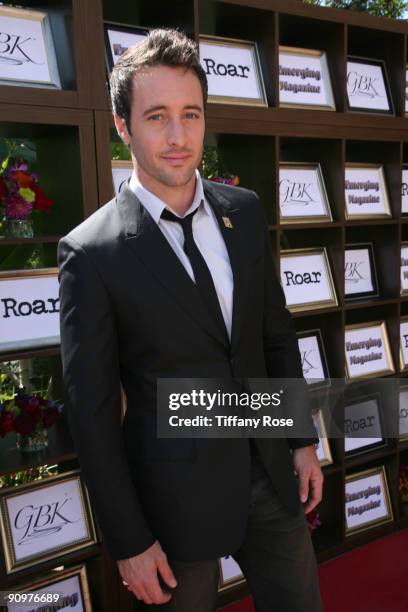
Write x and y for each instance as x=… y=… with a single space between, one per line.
x=175 y=133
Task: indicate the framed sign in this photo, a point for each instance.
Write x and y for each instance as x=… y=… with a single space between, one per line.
x=304 y=79
x=121 y=171
x=45 y=519
x=313 y=356
x=230 y=573
x=403 y=412
x=118 y=39
x=367 y=349
x=302 y=194
x=360 y=275
x=27 y=54
x=406 y=89
x=404 y=190
x=366 y=192
x=368 y=88
x=404 y=344
x=60 y=589
x=29 y=309
x=367 y=500
x=404 y=268
x=306 y=279
x=323 y=450
x=362 y=426
x=233 y=71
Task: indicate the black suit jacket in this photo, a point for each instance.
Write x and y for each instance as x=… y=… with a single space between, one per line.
x=130 y=313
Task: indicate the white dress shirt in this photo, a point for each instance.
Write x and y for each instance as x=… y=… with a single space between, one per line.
x=207 y=235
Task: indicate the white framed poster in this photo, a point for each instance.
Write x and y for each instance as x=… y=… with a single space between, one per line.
x=27 y=54
x=306 y=279
x=230 y=573
x=45 y=519
x=118 y=39
x=367 y=350
x=323 y=449
x=304 y=79
x=302 y=193
x=362 y=425
x=403 y=412
x=368 y=88
x=233 y=71
x=313 y=357
x=367 y=500
x=60 y=589
x=366 y=192
x=29 y=309
x=360 y=275
x=404 y=268
x=404 y=344
x=404 y=190
x=121 y=171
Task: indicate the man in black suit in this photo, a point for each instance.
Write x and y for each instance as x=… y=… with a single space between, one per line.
x=175 y=278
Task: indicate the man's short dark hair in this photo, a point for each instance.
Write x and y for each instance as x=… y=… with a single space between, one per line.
x=162 y=47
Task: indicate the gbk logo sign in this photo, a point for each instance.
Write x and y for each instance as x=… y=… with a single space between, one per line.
x=361 y=84
x=352 y=272
x=294 y=192
x=15 y=49
x=40 y=521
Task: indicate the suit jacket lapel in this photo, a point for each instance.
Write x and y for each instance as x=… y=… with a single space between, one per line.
x=145 y=239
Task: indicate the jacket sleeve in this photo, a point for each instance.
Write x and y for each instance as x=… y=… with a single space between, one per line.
x=281 y=348
x=89 y=351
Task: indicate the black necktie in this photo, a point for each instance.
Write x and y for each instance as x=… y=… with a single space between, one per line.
x=202 y=274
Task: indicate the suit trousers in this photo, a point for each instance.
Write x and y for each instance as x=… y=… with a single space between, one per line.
x=276 y=558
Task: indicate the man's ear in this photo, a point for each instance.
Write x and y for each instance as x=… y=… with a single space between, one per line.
x=121 y=128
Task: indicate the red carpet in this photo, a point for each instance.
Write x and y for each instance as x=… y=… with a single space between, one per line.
x=373 y=578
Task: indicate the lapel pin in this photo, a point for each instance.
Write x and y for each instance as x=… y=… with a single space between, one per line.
x=227 y=222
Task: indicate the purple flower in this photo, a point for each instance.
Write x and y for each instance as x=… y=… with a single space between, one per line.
x=17 y=207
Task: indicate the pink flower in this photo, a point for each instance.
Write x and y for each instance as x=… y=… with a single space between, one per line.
x=17 y=207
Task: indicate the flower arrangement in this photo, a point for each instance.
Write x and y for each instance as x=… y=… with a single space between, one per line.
x=403 y=482
x=28 y=414
x=211 y=168
x=20 y=193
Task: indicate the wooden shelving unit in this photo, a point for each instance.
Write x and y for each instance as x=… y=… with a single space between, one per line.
x=73 y=128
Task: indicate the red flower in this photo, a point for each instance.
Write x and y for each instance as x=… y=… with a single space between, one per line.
x=6 y=423
x=41 y=202
x=3 y=188
x=22 y=178
x=25 y=424
x=50 y=415
x=32 y=409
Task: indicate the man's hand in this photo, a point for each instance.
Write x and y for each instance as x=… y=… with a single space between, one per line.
x=311 y=477
x=139 y=574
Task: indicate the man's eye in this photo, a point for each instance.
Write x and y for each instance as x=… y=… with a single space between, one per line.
x=192 y=115
x=155 y=117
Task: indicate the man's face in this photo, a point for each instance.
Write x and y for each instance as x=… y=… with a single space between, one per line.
x=167 y=125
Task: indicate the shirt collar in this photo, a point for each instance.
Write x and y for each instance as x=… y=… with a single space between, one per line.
x=155 y=205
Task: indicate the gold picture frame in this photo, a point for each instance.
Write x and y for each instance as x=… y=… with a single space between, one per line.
x=35 y=342
x=51 y=582
x=387 y=214
x=374 y=522
x=390 y=370
x=322 y=190
x=318 y=419
x=244 y=44
x=404 y=244
x=403 y=365
x=304 y=306
x=8 y=497
x=313 y=53
x=226 y=584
